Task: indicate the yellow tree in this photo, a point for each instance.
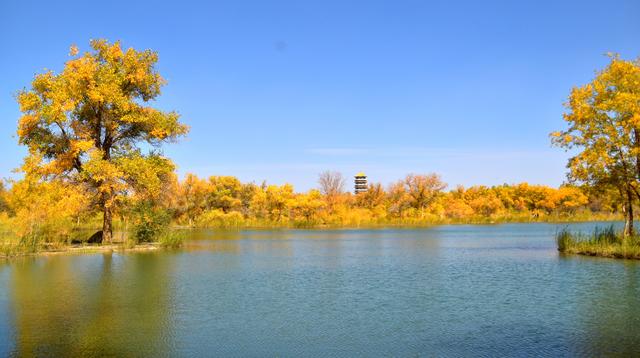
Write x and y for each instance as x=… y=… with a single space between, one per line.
x=398 y=199
x=87 y=122
x=247 y=192
x=3 y=198
x=604 y=129
x=278 y=200
x=373 y=197
x=570 y=197
x=456 y=205
x=48 y=209
x=483 y=200
x=192 y=200
x=423 y=190
x=307 y=205
x=224 y=193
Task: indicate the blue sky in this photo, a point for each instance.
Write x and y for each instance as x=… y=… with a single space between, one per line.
x=282 y=90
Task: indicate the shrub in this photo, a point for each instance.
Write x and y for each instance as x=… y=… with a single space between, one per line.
x=219 y=219
x=151 y=222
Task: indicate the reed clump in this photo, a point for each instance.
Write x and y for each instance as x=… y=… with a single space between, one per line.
x=604 y=242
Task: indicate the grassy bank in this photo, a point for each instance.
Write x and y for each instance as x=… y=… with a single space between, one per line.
x=155 y=233
x=12 y=245
x=10 y=249
x=605 y=242
x=148 y=230
x=7 y=251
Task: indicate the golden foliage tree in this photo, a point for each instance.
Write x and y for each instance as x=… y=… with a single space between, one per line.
x=224 y=193
x=417 y=199
x=86 y=124
x=3 y=198
x=604 y=128
x=192 y=197
x=278 y=200
x=373 y=197
x=308 y=205
x=423 y=190
x=46 y=209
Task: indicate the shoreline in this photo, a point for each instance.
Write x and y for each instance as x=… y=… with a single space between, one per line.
x=80 y=249
x=604 y=252
x=122 y=247
x=602 y=242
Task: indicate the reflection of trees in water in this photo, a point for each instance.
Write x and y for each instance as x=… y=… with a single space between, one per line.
x=237 y=242
x=92 y=305
x=610 y=311
x=213 y=240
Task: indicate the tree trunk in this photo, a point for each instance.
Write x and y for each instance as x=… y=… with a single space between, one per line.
x=628 y=215
x=107 y=230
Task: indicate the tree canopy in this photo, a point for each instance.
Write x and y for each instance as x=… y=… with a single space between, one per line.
x=604 y=130
x=92 y=124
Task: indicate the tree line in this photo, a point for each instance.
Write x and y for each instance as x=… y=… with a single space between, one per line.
x=59 y=208
x=94 y=154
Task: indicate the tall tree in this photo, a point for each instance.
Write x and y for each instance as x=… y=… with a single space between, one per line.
x=193 y=197
x=331 y=186
x=604 y=130
x=87 y=123
x=224 y=193
x=331 y=183
x=3 y=200
x=373 y=197
x=423 y=190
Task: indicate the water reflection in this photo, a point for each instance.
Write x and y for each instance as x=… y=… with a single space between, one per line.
x=608 y=307
x=86 y=305
x=495 y=290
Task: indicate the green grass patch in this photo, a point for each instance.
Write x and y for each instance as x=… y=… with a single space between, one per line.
x=605 y=242
x=172 y=238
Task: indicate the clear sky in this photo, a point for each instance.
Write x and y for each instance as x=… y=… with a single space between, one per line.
x=282 y=90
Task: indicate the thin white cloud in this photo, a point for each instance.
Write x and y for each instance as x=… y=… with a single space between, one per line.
x=424 y=152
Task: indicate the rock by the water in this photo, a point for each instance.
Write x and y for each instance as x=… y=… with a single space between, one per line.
x=96 y=238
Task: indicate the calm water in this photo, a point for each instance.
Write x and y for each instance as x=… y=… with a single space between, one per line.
x=445 y=291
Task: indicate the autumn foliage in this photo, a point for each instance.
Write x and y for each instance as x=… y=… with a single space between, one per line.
x=94 y=158
x=226 y=202
x=417 y=199
x=603 y=120
x=85 y=125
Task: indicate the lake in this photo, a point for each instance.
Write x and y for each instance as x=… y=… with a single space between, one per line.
x=481 y=290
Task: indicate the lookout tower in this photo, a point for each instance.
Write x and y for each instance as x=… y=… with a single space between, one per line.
x=360 y=183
